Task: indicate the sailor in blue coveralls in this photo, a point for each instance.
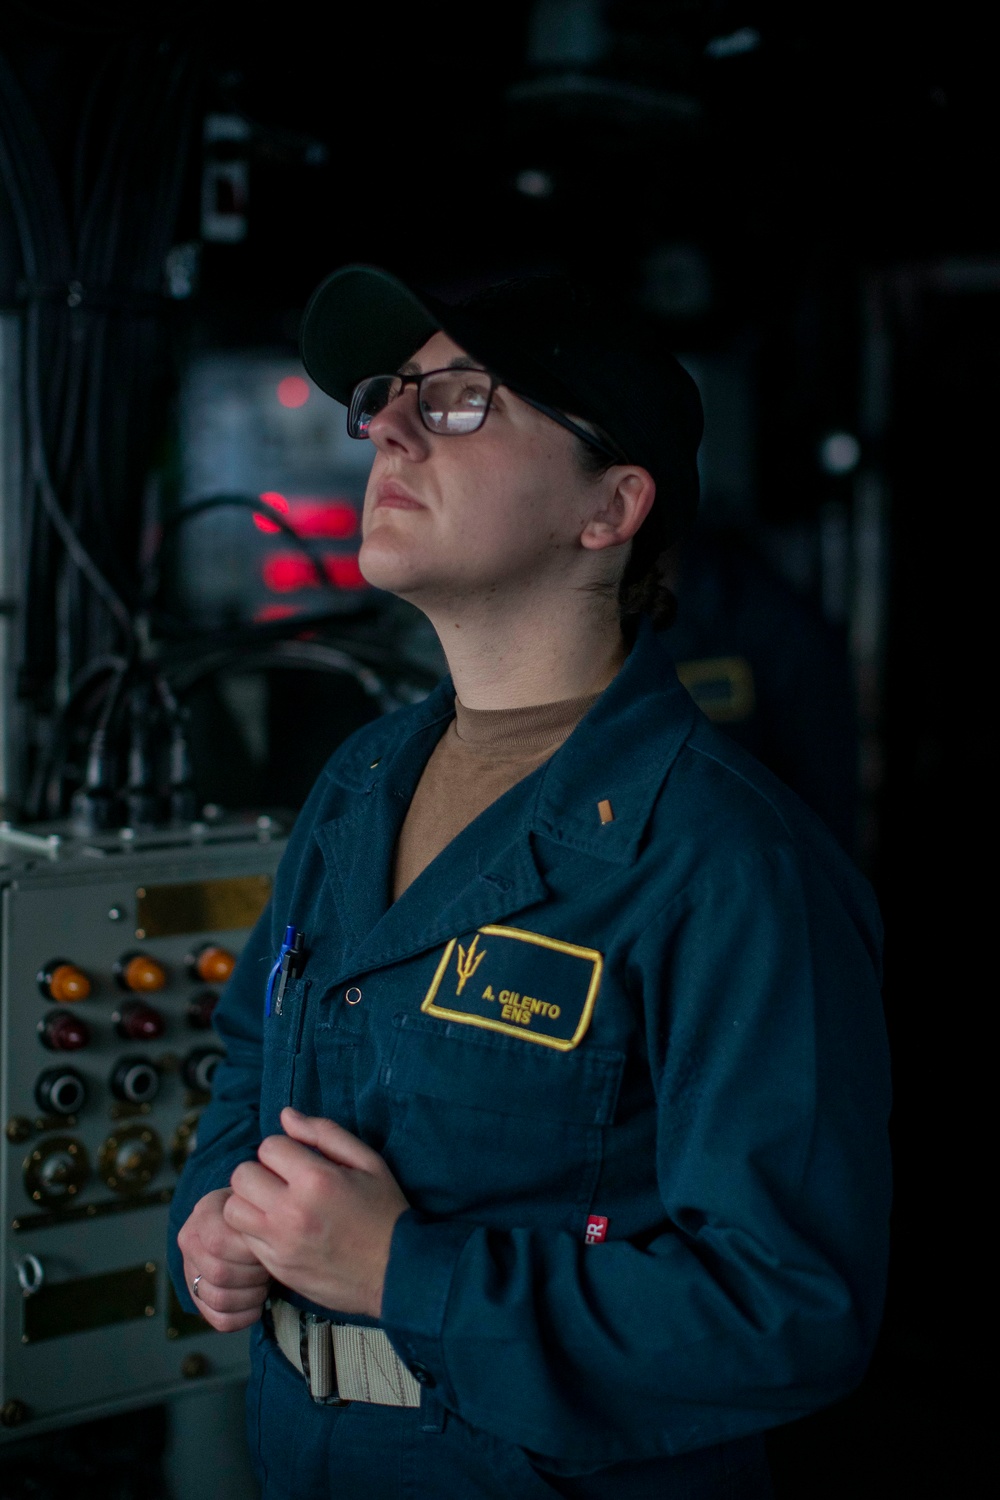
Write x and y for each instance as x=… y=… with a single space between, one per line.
x=565 y=1173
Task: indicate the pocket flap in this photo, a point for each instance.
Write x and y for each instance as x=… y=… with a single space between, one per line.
x=462 y=1065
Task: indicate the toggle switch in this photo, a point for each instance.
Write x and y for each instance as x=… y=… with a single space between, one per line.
x=30 y=1274
x=140 y=973
x=135 y=1080
x=63 y=982
x=62 y=1032
x=212 y=963
x=139 y=1022
x=60 y=1091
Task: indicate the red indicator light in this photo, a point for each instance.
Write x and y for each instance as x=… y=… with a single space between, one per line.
x=293 y=391
x=274 y=612
x=284 y=572
x=276 y=502
x=345 y=573
x=287 y=571
x=334 y=520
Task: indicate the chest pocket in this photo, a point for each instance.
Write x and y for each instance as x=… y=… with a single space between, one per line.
x=282 y=1050
x=484 y=1126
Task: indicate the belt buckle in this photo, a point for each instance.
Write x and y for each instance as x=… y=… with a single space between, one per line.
x=335 y=1357
x=306 y=1341
x=319 y=1365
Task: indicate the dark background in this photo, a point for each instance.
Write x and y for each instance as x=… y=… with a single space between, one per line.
x=805 y=195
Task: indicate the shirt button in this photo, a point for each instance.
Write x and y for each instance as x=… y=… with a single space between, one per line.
x=422 y=1375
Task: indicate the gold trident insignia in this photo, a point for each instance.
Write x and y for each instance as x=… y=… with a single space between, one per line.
x=468 y=963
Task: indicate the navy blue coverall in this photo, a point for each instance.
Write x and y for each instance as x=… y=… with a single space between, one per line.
x=663 y=1013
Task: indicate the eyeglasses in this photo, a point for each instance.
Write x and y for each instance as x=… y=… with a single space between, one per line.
x=452 y=403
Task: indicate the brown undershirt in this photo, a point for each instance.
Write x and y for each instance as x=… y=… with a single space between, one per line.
x=481 y=755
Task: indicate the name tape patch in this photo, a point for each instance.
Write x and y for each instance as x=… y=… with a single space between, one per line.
x=520 y=983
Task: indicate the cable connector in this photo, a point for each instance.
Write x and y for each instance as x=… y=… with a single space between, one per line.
x=182 y=796
x=93 y=806
x=142 y=800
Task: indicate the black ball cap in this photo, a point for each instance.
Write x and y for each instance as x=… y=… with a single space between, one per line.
x=545 y=338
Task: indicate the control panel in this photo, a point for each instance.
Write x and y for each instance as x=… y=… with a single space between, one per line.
x=112 y=957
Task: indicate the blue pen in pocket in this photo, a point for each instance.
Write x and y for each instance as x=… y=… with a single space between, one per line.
x=286 y=967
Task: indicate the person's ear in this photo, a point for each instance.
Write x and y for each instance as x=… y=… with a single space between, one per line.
x=626 y=497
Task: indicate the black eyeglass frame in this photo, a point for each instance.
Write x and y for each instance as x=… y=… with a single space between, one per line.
x=552 y=412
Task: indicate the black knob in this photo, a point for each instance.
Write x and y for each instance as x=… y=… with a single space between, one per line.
x=60 y=1091
x=199 y=1067
x=135 y=1080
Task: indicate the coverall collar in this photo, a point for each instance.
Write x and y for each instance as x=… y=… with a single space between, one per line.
x=619 y=755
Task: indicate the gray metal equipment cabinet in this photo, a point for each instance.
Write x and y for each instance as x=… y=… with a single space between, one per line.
x=112 y=952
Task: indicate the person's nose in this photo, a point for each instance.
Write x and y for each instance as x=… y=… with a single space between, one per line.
x=397 y=429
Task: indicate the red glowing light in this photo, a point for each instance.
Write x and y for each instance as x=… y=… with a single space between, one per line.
x=316 y=516
x=286 y=572
x=293 y=391
x=276 y=502
x=274 y=612
x=345 y=573
x=334 y=519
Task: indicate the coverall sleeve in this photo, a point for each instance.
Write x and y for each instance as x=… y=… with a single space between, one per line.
x=759 y=1295
x=229 y=1127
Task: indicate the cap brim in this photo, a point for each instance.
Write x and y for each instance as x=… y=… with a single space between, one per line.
x=361 y=321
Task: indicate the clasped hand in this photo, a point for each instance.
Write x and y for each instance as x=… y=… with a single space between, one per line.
x=316 y=1211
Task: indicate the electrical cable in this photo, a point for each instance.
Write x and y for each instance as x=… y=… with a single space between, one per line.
x=75 y=549
x=83 y=683
x=39 y=466
x=415 y=679
x=245 y=502
x=93 y=286
x=311 y=655
x=29 y=179
x=98 y=374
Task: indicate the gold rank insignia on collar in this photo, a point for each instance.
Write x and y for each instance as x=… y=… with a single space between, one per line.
x=522 y=984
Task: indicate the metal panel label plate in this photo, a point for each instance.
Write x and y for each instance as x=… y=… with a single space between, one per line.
x=90 y=1302
x=201 y=906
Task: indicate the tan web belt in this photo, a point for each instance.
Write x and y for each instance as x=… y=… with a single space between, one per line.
x=342 y=1362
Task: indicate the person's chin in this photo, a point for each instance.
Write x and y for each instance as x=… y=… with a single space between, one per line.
x=389 y=566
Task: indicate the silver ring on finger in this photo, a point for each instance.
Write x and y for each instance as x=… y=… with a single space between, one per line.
x=194 y=1285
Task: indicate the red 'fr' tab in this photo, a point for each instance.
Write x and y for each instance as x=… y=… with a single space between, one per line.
x=597 y=1230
